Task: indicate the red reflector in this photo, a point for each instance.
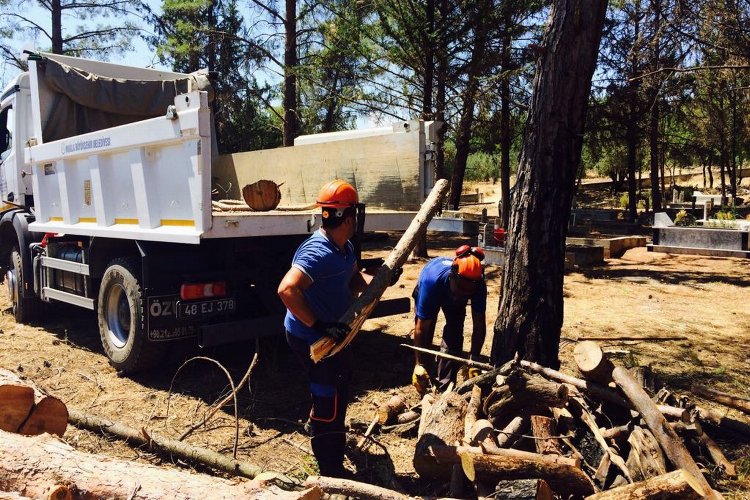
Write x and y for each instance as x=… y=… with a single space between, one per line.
x=193 y=291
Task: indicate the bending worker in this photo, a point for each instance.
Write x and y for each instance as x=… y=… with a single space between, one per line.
x=449 y=284
x=317 y=290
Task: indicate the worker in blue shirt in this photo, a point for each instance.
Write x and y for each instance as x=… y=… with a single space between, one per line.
x=317 y=290
x=449 y=284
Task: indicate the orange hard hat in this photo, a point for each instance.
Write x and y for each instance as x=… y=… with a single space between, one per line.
x=468 y=266
x=336 y=194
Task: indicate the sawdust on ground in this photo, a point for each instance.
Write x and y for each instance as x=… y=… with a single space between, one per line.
x=703 y=299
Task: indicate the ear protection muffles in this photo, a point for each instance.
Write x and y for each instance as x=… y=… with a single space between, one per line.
x=466 y=250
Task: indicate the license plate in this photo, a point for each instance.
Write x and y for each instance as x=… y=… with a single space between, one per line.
x=205 y=308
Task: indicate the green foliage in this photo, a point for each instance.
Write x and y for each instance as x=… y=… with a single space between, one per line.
x=684 y=219
x=482 y=167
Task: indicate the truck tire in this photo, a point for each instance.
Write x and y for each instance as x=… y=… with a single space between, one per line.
x=121 y=319
x=25 y=310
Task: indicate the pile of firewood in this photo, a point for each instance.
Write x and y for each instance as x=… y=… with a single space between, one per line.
x=525 y=431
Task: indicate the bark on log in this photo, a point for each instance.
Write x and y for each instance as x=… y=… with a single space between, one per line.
x=523 y=489
x=472 y=413
x=730 y=400
x=482 y=434
x=444 y=426
x=395 y=405
x=676 y=485
x=521 y=465
x=579 y=407
x=27 y=409
x=524 y=392
x=510 y=432
x=486 y=379
x=593 y=363
x=545 y=428
x=175 y=448
x=31 y=464
x=645 y=459
x=354 y=489
x=358 y=312
x=427 y=401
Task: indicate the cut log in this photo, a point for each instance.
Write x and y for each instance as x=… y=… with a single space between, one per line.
x=521 y=465
x=262 y=196
x=407 y=417
x=45 y=414
x=482 y=434
x=395 y=405
x=545 y=430
x=645 y=459
x=579 y=408
x=173 y=447
x=354 y=489
x=358 y=312
x=523 y=489
x=31 y=464
x=427 y=402
x=676 y=485
x=510 y=432
x=472 y=413
x=730 y=400
x=444 y=426
x=524 y=392
x=619 y=432
x=593 y=363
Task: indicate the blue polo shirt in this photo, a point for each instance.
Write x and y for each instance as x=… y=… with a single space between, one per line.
x=331 y=272
x=435 y=291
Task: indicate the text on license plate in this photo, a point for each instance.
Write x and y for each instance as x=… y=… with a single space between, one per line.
x=202 y=309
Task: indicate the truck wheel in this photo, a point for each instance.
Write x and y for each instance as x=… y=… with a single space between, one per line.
x=24 y=309
x=121 y=319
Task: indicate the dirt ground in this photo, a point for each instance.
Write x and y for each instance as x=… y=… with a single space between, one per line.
x=703 y=299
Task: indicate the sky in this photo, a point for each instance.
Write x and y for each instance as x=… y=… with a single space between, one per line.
x=140 y=55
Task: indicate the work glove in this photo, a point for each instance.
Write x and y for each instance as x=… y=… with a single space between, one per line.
x=472 y=372
x=395 y=275
x=420 y=379
x=335 y=331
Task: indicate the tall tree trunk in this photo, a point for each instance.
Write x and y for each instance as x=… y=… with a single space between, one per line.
x=530 y=314
x=441 y=80
x=463 y=134
x=505 y=132
x=632 y=148
x=655 y=111
x=733 y=144
x=57 y=39
x=330 y=116
x=290 y=73
x=428 y=41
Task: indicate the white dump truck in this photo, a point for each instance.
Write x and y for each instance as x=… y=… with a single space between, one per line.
x=109 y=183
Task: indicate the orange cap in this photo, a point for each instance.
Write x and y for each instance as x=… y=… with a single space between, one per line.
x=468 y=267
x=337 y=193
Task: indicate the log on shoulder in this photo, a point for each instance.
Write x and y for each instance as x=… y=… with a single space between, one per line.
x=358 y=312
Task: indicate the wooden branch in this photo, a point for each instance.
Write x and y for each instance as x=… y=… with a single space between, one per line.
x=472 y=412
x=445 y=355
x=587 y=418
x=395 y=405
x=173 y=447
x=634 y=338
x=427 y=402
x=676 y=485
x=545 y=428
x=560 y=474
x=33 y=464
x=525 y=392
x=694 y=430
x=482 y=434
x=645 y=458
x=593 y=363
x=358 y=312
x=486 y=378
x=730 y=400
x=510 y=433
x=27 y=409
x=353 y=489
